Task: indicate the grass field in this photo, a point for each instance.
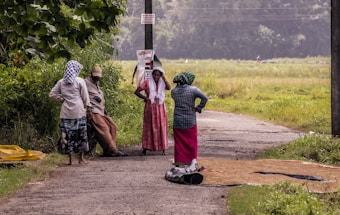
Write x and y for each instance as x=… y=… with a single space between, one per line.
x=291 y=92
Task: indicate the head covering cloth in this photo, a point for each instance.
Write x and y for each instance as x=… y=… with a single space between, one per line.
x=160 y=69
x=184 y=78
x=72 y=71
x=157 y=92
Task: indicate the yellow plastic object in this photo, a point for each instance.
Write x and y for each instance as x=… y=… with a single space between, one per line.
x=16 y=153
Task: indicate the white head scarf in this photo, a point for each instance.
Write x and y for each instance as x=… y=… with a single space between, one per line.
x=72 y=71
x=160 y=94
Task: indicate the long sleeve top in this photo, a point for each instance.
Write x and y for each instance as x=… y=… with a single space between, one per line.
x=185 y=97
x=74 y=98
x=96 y=97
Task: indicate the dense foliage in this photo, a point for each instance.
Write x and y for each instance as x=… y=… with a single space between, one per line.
x=29 y=117
x=32 y=31
x=50 y=29
x=229 y=29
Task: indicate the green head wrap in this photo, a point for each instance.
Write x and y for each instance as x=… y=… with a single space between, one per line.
x=184 y=78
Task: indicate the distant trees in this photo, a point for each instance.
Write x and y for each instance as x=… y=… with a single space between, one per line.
x=230 y=29
x=50 y=29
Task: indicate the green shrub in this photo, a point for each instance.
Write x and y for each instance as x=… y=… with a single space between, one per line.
x=28 y=114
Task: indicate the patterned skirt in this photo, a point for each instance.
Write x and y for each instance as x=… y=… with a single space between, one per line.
x=73 y=136
x=155 y=127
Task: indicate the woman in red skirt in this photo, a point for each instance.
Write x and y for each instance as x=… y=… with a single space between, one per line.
x=185 y=123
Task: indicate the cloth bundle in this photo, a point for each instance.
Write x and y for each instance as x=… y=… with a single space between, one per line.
x=185 y=174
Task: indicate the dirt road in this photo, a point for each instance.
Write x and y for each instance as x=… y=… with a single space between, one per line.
x=136 y=184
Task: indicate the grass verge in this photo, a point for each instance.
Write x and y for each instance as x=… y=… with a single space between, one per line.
x=14 y=176
x=286 y=198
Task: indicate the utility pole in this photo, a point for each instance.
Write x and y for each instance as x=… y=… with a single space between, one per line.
x=147 y=57
x=335 y=67
x=148 y=27
x=149 y=33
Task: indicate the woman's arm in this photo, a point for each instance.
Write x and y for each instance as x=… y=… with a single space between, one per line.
x=134 y=73
x=140 y=95
x=167 y=85
x=55 y=93
x=203 y=102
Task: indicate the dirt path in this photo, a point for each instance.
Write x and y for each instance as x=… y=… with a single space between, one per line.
x=136 y=184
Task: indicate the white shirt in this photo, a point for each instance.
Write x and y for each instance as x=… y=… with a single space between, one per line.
x=73 y=97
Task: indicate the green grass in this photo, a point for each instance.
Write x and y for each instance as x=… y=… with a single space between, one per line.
x=241 y=199
x=283 y=198
x=13 y=178
x=314 y=148
x=17 y=175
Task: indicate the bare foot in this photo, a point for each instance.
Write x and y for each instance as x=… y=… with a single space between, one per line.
x=83 y=161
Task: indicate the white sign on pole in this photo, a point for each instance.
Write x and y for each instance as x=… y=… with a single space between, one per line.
x=145 y=59
x=148 y=74
x=148 y=18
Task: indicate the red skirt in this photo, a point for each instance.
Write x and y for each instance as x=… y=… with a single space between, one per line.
x=186 y=145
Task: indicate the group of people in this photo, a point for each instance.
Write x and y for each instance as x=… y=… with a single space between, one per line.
x=82 y=100
x=155 y=122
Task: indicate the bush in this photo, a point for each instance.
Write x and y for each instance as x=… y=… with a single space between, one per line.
x=28 y=114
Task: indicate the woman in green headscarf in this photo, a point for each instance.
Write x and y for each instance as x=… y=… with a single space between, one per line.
x=185 y=123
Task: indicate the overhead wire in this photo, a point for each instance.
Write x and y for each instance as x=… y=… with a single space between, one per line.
x=253 y=8
x=246 y=18
x=228 y=14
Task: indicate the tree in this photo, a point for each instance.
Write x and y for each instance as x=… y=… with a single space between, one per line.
x=230 y=29
x=50 y=28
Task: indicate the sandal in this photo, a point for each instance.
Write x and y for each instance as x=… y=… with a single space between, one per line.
x=143 y=153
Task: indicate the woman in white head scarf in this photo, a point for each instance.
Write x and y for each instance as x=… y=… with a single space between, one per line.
x=155 y=122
